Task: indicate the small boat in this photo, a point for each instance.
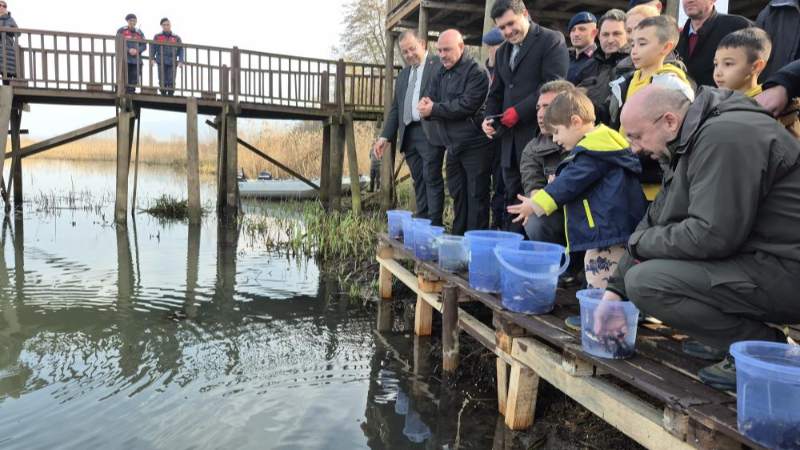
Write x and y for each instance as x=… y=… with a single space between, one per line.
x=289 y=189
x=265 y=175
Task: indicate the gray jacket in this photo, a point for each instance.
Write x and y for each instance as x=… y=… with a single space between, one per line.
x=540 y=155
x=732 y=187
x=8 y=60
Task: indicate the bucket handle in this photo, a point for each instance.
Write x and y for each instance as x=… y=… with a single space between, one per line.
x=520 y=273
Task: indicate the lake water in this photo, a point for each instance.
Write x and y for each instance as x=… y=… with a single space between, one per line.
x=270 y=354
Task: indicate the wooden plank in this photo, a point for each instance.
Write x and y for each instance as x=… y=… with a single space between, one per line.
x=632 y=416
x=385 y=276
x=193 y=163
x=450 y=328
x=65 y=138
x=324 y=173
x=337 y=161
x=502 y=384
x=352 y=162
x=423 y=318
x=522 y=392
x=393 y=18
x=410 y=280
x=452 y=6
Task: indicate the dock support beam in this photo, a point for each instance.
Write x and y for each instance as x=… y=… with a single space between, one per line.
x=227 y=163
x=387 y=163
x=324 y=171
x=6 y=101
x=450 y=330
x=16 y=161
x=352 y=162
x=125 y=122
x=192 y=162
x=336 y=164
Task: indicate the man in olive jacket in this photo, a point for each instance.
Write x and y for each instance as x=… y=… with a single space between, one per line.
x=718 y=254
x=455 y=105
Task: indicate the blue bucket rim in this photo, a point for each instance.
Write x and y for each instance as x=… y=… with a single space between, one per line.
x=492 y=234
x=450 y=237
x=737 y=350
x=400 y=212
x=595 y=302
x=505 y=265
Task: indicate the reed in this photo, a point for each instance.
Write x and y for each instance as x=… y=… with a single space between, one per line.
x=167 y=207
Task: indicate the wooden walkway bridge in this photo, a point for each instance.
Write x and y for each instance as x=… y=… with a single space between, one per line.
x=63 y=68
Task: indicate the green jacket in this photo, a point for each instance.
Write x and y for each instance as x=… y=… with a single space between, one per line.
x=732 y=186
x=540 y=154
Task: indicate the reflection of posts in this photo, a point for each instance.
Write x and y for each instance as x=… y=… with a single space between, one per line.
x=192 y=270
x=125 y=274
x=227 y=240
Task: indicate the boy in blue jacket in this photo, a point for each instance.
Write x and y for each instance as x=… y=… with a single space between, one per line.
x=597 y=184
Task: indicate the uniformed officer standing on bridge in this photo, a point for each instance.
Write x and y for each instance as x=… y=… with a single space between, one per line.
x=167 y=57
x=135 y=51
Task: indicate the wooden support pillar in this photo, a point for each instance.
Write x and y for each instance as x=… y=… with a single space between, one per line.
x=522 y=393
x=387 y=163
x=352 y=162
x=337 y=166
x=423 y=314
x=125 y=122
x=505 y=332
x=488 y=24
x=222 y=161
x=192 y=162
x=231 y=211
x=450 y=330
x=385 y=276
x=16 y=161
x=423 y=24
x=6 y=101
x=190 y=305
x=325 y=172
x=384 y=315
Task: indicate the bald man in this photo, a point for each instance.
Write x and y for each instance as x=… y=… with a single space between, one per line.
x=455 y=105
x=718 y=254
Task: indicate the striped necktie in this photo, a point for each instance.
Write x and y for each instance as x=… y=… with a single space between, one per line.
x=514 y=52
x=412 y=86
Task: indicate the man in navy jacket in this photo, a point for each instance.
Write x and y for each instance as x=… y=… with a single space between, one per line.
x=167 y=57
x=135 y=51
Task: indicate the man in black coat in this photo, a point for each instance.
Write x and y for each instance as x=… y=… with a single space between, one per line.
x=531 y=56
x=423 y=152
x=701 y=34
x=781 y=20
x=457 y=96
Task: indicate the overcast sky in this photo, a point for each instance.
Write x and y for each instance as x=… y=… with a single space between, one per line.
x=296 y=27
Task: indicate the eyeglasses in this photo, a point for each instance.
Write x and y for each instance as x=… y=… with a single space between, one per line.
x=3 y=5
x=637 y=137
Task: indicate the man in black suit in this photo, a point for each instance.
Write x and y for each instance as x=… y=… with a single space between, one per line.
x=702 y=33
x=531 y=56
x=423 y=151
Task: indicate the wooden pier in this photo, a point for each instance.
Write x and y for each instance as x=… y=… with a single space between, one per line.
x=655 y=397
x=78 y=69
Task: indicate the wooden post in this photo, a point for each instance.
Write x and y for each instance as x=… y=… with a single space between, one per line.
x=423 y=24
x=385 y=276
x=136 y=161
x=488 y=24
x=423 y=318
x=192 y=162
x=387 y=163
x=336 y=169
x=16 y=161
x=522 y=393
x=125 y=118
x=6 y=101
x=450 y=329
x=352 y=161
x=384 y=315
x=192 y=270
x=222 y=161
x=325 y=169
x=505 y=332
x=231 y=154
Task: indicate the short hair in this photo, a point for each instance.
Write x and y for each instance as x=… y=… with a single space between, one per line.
x=646 y=11
x=573 y=102
x=557 y=86
x=754 y=41
x=415 y=33
x=501 y=6
x=615 y=15
x=660 y=99
x=666 y=28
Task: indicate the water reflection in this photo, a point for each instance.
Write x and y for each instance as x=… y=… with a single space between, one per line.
x=175 y=336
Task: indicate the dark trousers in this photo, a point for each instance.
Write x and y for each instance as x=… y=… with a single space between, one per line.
x=468 y=173
x=374 y=178
x=513 y=182
x=133 y=77
x=551 y=229
x=719 y=302
x=425 y=163
x=498 y=200
x=166 y=79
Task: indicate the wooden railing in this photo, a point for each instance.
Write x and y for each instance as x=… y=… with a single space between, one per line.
x=64 y=61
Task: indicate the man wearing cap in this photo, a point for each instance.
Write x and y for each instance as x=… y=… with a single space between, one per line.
x=167 y=57
x=492 y=40
x=582 y=32
x=135 y=51
x=654 y=3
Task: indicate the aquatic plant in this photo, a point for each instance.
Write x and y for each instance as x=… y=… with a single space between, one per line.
x=167 y=207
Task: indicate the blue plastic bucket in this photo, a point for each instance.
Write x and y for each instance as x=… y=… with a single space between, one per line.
x=484 y=269
x=409 y=225
x=425 y=247
x=529 y=274
x=453 y=257
x=618 y=339
x=396 y=222
x=768 y=392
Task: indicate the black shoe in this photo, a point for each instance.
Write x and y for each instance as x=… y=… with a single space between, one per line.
x=702 y=351
x=721 y=375
x=573 y=322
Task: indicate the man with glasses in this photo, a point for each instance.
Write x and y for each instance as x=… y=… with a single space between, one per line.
x=167 y=57
x=717 y=256
x=8 y=60
x=423 y=149
x=134 y=51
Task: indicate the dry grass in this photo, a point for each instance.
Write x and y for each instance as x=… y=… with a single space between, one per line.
x=299 y=148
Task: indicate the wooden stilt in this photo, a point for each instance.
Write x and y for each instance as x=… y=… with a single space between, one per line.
x=352 y=161
x=6 y=101
x=385 y=276
x=387 y=163
x=450 y=329
x=423 y=23
x=384 y=315
x=522 y=393
x=222 y=161
x=336 y=169
x=192 y=162
x=505 y=332
x=16 y=161
x=325 y=173
x=136 y=161
x=125 y=119
x=423 y=318
x=232 y=156
x=192 y=270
